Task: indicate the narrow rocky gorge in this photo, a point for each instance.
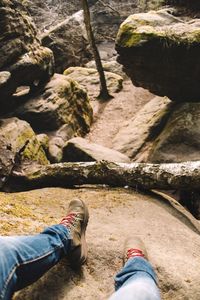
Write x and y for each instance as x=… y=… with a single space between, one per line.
x=58 y=141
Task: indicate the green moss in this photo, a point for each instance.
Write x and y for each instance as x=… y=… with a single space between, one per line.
x=195 y=36
x=129 y=37
x=34 y=152
x=17 y=210
x=23 y=137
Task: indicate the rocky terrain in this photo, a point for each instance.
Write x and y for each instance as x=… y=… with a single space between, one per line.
x=170 y=234
x=51 y=117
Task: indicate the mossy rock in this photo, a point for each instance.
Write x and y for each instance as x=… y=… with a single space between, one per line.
x=18 y=144
x=89 y=79
x=21 y=53
x=160 y=53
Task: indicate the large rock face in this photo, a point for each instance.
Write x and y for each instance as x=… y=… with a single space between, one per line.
x=62 y=101
x=180 y=139
x=23 y=60
x=68 y=41
x=18 y=143
x=136 y=134
x=161 y=53
x=62 y=108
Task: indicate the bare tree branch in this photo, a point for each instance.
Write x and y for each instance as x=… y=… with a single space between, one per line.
x=110 y=7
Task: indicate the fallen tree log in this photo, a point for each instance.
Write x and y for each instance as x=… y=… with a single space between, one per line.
x=138 y=175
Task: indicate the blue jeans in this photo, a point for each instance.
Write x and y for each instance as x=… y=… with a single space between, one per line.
x=24 y=259
x=136 y=281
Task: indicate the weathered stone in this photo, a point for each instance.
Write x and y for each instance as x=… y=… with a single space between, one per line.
x=79 y=149
x=180 y=139
x=18 y=143
x=62 y=107
x=108 y=66
x=89 y=78
x=62 y=101
x=143 y=128
x=161 y=53
x=68 y=41
x=4 y=78
x=21 y=54
x=57 y=141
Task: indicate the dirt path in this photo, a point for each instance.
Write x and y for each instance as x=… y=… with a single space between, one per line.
x=109 y=116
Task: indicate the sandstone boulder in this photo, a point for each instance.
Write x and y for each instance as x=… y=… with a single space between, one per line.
x=135 y=134
x=68 y=41
x=58 y=140
x=109 y=66
x=79 y=149
x=62 y=101
x=180 y=139
x=18 y=143
x=62 y=109
x=23 y=61
x=89 y=78
x=161 y=53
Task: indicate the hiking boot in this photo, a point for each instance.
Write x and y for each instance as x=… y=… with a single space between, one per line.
x=134 y=247
x=76 y=222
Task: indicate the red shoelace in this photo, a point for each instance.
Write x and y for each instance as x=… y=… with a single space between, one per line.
x=134 y=252
x=69 y=219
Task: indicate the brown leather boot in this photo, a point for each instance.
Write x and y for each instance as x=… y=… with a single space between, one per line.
x=134 y=247
x=76 y=221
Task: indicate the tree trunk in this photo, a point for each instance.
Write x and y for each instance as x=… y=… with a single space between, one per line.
x=104 y=94
x=137 y=175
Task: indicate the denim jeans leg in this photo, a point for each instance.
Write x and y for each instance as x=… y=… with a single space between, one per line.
x=136 y=281
x=24 y=259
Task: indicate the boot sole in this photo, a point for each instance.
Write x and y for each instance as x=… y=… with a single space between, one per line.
x=84 y=250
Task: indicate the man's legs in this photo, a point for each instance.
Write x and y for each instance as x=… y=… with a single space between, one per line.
x=23 y=259
x=137 y=279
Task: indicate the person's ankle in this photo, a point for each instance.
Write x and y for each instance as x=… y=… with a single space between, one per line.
x=134 y=247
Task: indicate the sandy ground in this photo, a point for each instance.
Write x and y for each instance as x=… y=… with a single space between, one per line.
x=172 y=241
